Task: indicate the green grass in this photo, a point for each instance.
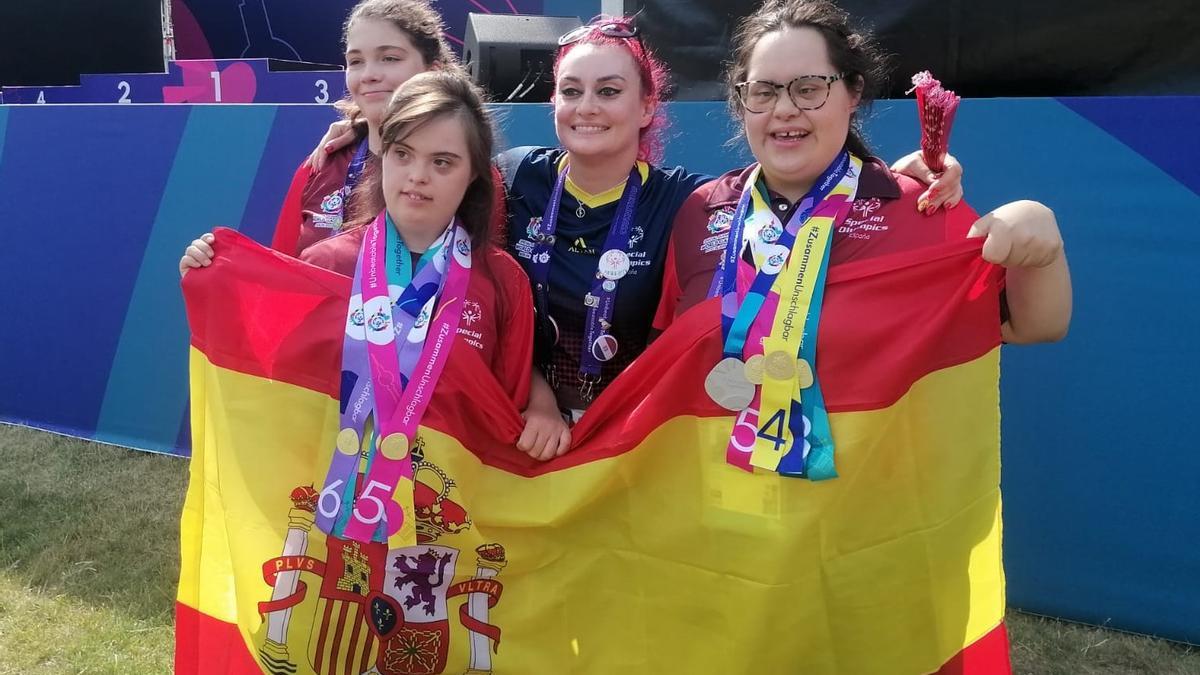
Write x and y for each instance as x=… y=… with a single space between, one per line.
x=89 y=555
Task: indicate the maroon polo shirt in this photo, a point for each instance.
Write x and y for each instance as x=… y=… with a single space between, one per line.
x=497 y=320
x=883 y=220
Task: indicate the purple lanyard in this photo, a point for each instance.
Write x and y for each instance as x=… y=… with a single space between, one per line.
x=392 y=358
x=598 y=344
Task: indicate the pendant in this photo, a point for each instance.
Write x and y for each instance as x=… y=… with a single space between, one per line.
x=727 y=385
x=580 y=212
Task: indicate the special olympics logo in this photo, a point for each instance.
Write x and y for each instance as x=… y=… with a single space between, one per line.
x=863 y=208
x=472 y=312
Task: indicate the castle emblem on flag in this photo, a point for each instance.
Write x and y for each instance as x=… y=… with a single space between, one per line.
x=381 y=611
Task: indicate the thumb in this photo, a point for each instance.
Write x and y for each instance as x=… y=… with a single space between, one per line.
x=981 y=227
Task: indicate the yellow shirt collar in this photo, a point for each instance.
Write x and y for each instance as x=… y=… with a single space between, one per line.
x=608 y=196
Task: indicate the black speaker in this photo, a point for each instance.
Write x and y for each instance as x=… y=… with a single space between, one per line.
x=512 y=56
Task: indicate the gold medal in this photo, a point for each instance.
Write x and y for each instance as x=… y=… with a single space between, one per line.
x=727 y=385
x=395 y=447
x=754 y=369
x=347 y=442
x=804 y=373
x=780 y=365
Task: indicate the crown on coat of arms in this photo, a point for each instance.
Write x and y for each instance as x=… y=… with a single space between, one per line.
x=305 y=498
x=437 y=514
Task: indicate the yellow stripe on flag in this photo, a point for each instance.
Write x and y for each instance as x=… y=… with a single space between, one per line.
x=661 y=560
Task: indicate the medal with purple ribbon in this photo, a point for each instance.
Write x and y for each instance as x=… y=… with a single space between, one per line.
x=394 y=351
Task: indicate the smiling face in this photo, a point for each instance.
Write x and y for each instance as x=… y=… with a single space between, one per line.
x=795 y=146
x=599 y=106
x=426 y=174
x=379 y=58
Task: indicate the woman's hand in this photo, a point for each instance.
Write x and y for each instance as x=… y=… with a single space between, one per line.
x=945 y=188
x=1023 y=237
x=1019 y=234
x=340 y=134
x=198 y=254
x=546 y=434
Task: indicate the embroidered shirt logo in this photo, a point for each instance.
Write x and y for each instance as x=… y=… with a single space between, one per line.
x=720 y=220
x=862 y=223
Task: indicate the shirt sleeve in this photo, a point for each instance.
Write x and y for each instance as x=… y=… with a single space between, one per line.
x=696 y=257
x=513 y=360
x=959 y=221
x=669 y=299
x=287 y=226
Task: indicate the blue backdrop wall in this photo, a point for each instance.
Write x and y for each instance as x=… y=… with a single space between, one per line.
x=1099 y=467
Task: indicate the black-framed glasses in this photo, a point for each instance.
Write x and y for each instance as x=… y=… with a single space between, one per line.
x=615 y=29
x=807 y=92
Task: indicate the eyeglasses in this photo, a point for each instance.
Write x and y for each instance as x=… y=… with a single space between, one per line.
x=615 y=29
x=807 y=92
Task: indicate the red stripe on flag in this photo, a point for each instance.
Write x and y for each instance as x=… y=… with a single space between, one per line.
x=336 y=662
x=207 y=645
x=986 y=656
x=888 y=322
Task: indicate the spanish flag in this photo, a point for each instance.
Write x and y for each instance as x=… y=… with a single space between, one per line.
x=641 y=551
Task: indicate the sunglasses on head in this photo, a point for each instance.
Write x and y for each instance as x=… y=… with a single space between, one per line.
x=614 y=29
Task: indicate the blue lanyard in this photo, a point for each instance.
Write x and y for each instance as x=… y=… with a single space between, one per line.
x=355 y=170
x=598 y=344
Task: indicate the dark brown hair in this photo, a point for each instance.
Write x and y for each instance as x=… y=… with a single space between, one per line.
x=417 y=20
x=426 y=97
x=852 y=51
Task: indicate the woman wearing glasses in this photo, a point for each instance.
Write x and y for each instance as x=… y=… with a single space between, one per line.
x=799 y=76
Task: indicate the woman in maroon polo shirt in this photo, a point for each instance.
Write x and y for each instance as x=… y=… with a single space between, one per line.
x=798 y=78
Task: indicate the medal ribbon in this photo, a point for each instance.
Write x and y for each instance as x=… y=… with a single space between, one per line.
x=771 y=253
x=392 y=359
x=601 y=299
x=785 y=373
